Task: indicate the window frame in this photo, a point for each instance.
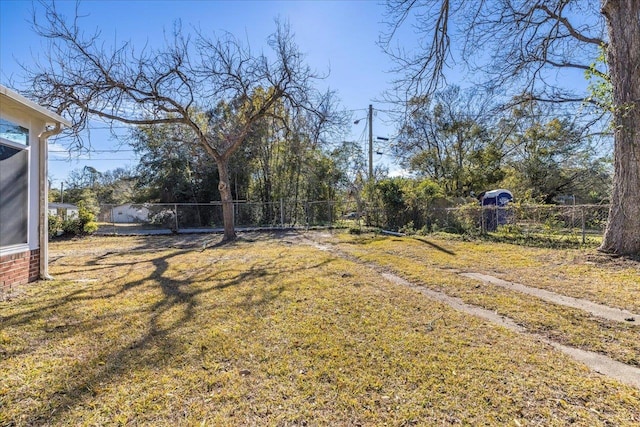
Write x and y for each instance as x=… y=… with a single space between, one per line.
x=20 y=144
x=20 y=247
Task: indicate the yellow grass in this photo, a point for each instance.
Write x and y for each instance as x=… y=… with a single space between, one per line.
x=436 y=262
x=271 y=331
x=581 y=273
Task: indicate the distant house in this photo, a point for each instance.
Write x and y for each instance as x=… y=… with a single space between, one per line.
x=63 y=210
x=24 y=129
x=129 y=214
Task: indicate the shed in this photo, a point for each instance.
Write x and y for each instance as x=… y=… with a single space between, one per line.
x=24 y=129
x=130 y=214
x=63 y=210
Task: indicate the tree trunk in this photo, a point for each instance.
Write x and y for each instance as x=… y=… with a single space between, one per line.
x=226 y=197
x=622 y=235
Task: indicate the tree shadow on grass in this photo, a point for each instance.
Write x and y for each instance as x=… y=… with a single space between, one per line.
x=435 y=246
x=153 y=345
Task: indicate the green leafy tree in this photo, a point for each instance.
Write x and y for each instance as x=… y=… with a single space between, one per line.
x=53 y=194
x=446 y=139
x=55 y=226
x=549 y=158
x=391 y=195
x=111 y=187
x=84 y=223
x=171 y=170
x=407 y=203
x=117 y=186
x=289 y=161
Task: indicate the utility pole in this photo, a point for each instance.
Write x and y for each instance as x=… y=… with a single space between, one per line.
x=370 y=142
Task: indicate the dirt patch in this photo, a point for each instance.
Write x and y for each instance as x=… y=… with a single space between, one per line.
x=599 y=310
x=613 y=262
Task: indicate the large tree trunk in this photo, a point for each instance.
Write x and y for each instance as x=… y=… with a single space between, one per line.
x=226 y=197
x=622 y=235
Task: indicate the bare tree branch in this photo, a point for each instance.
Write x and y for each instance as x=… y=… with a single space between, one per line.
x=180 y=83
x=509 y=42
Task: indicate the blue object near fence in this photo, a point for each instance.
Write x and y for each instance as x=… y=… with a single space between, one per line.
x=494 y=212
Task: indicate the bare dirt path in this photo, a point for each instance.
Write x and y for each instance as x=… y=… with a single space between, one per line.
x=604 y=365
x=599 y=310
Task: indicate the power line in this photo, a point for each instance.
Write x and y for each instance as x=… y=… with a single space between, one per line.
x=92 y=160
x=93 y=151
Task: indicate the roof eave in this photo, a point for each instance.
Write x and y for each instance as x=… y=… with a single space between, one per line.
x=48 y=116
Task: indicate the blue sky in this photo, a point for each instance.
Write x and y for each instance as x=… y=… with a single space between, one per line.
x=338 y=37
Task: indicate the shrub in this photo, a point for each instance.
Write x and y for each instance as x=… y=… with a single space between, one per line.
x=463 y=219
x=71 y=226
x=408 y=228
x=85 y=223
x=87 y=220
x=510 y=230
x=55 y=226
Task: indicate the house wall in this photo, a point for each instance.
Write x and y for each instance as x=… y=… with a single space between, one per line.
x=25 y=259
x=18 y=269
x=21 y=264
x=64 y=213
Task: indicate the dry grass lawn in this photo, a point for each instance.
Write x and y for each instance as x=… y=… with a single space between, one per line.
x=271 y=331
x=435 y=263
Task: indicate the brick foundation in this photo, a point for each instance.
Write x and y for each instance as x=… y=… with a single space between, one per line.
x=18 y=269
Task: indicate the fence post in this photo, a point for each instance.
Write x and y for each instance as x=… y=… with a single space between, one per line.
x=584 y=226
x=281 y=213
x=113 y=219
x=175 y=212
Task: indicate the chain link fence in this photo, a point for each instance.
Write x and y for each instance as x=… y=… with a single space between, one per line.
x=543 y=220
x=164 y=218
x=575 y=220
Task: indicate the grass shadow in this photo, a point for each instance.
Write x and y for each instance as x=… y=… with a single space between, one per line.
x=154 y=344
x=435 y=246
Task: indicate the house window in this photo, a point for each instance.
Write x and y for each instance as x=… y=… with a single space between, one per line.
x=12 y=132
x=14 y=184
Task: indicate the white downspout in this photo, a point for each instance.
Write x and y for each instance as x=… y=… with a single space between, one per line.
x=44 y=200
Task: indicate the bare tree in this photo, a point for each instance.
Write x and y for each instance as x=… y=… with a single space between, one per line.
x=524 y=46
x=216 y=87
